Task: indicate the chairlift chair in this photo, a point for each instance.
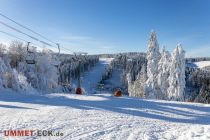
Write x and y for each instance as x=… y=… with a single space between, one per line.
x=56 y=63
x=30 y=58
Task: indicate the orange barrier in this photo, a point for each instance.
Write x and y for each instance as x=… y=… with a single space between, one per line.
x=118 y=93
x=78 y=90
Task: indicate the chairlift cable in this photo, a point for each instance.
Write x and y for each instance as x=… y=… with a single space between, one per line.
x=23 y=26
x=34 y=38
x=26 y=28
x=11 y=35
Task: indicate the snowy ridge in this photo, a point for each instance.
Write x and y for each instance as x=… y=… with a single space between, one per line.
x=104 y=117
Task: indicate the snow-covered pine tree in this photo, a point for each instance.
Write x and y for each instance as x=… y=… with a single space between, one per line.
x=137 y=88
x=47 y=73
x=182 y=76
x=177 y=75
x=153 y=57
x=17 y=53
x=3 y=71
x=163 y=69
x=2 y=49
x=139 y=83
x=130 y=85
x=10 y=78
x=18 y=82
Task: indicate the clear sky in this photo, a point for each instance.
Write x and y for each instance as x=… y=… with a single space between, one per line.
x=109 y=26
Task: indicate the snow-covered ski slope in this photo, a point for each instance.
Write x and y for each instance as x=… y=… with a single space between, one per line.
x=102 y=116
x=200 y=64
x=91 y=78
x=96 y=117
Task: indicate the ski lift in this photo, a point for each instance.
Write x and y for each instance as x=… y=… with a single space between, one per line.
x=30 y=58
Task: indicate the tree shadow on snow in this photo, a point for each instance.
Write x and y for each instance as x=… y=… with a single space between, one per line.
x=16 y=107
x=153 y=109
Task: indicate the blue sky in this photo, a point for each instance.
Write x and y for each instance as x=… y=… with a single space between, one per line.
x=110 y=26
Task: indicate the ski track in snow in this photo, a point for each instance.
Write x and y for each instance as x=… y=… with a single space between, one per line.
x=102 y=116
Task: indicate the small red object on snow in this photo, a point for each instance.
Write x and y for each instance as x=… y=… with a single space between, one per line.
x=118 y=93
x=78 y=90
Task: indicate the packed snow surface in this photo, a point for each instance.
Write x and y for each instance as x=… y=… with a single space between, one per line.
x=201 y=64
x=103 y=116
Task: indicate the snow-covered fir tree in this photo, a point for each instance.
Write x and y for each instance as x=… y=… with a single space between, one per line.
x=139 y=83
x=3 y=72
x=17 y=53
x=10 y=78
x=130 y=85
x=47 y=73
x=163 y=74
x=177 y=75
x=153 y=57
x=137 y=88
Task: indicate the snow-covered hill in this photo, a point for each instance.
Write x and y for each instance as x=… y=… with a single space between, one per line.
x=200 y=64
x=103 y=116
